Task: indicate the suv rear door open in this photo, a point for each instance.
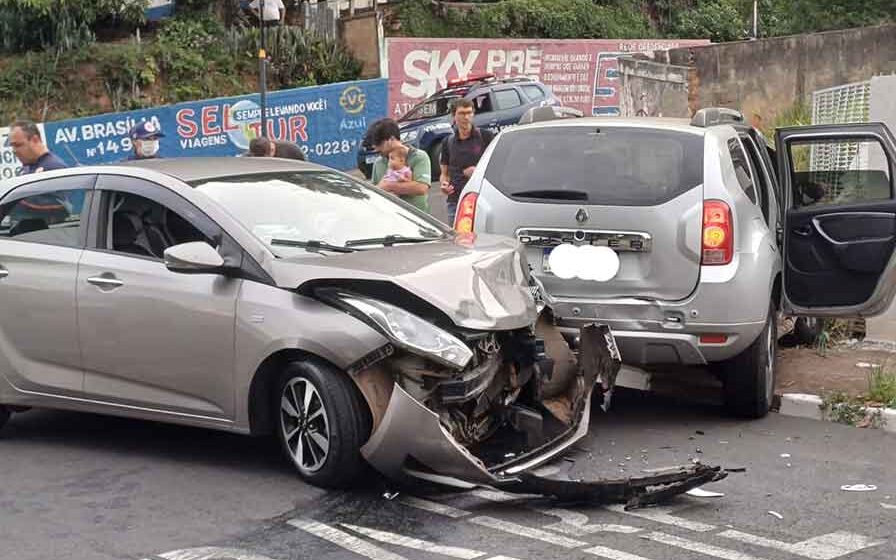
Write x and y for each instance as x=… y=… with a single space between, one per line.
x=840 y=224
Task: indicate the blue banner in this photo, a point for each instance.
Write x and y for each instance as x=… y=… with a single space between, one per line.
x=327 y=122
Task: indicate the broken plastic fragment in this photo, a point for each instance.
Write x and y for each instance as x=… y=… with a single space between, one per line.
x=859 y=487
x=701 y=493
x=775 y=514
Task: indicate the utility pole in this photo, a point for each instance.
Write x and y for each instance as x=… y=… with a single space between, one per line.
x=263 y=72
x=755 y=19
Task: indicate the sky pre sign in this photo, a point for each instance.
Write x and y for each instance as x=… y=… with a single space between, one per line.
x=582 y=73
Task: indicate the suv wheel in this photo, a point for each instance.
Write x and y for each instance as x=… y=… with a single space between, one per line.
x=749 y=378
x=435 y=160
x=321 y=424
x=807 y=330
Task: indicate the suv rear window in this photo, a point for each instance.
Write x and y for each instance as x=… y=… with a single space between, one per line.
x=617 y=166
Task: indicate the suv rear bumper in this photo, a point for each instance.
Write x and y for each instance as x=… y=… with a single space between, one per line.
x=731 y=301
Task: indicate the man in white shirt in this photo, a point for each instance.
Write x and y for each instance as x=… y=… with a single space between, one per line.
x=274 y=11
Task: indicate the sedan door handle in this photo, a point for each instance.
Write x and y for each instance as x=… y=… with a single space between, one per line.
x=105 y=281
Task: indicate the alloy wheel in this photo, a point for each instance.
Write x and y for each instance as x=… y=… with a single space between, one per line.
x=305 y=426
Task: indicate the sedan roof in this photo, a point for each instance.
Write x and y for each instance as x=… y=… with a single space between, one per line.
x=202 y=168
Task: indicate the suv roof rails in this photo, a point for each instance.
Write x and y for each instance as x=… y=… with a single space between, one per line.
x=713 y=116
x=549 y=113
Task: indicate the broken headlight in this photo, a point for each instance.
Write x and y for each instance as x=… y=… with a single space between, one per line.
x=411 y=332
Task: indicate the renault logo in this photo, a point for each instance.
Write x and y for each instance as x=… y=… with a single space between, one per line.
x=582 y=216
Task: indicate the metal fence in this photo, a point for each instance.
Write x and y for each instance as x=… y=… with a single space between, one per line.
x=838 y=105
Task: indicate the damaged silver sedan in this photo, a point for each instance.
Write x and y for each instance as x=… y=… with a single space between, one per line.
x=269 y=296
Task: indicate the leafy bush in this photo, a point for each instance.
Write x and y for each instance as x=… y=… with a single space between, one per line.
x=718 y=20
x=61 y=24
x=553 y=19
x=188 y=59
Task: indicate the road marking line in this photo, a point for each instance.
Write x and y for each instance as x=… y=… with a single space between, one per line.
x=528 y=532
x=344 y=540
x=612 y=554
x=702 y=548
x=417 y=544
x=661 y=515
x=497 y=495
x=824 y=547
x=211 y=553
x=576 y=524
x=433 y=507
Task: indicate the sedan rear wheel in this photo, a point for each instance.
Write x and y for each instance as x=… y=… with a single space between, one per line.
x=321 y=423
x=749 y=378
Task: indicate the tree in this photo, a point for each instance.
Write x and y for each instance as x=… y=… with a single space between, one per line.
x=718 y=20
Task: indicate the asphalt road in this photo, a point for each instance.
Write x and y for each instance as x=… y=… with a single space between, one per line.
x=89 y=487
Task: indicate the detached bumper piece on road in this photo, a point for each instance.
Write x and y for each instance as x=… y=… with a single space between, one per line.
x=524 y=401
x=635 y=492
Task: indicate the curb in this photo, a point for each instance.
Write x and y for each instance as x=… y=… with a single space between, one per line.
x=809 y=406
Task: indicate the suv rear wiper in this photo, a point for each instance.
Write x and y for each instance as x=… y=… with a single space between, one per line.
x=556 y=194
x=388 y=240
x=312 y=244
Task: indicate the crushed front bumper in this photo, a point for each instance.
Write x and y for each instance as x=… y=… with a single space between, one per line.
x=410 y=443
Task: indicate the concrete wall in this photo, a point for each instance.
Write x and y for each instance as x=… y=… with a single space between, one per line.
x=360 y=35
x=653 y=89
x=763 y=77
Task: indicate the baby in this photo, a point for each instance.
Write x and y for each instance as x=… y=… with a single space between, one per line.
x=398 y=166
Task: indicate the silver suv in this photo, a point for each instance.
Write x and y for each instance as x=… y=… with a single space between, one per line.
x=672 y=232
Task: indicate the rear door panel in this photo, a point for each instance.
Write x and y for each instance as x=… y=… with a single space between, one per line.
x=840 y=225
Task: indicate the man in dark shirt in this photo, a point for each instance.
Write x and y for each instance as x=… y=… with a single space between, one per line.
x=29 y=147
x=460 y=153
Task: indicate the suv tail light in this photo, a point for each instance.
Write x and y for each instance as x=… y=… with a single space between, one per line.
x=718 y=233
x=466 y=213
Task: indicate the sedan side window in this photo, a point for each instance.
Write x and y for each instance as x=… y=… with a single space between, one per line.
x=50 y=217
x=139 y=226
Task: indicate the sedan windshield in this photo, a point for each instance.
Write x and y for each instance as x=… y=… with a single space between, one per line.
x=297 y=211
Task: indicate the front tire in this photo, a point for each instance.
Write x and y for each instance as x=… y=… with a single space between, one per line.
x=321 y=423
x=749 y=377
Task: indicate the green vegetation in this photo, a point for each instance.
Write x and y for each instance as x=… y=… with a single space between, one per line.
x=845 y=409
x=882 y=387
x=188 y=58
x=719 y=20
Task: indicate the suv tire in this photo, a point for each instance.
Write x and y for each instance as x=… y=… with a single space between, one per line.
x=807 y=330
x=435 y=159
x=323 y=438
x=749 y=377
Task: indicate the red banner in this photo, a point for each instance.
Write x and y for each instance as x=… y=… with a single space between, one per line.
x=582 y=73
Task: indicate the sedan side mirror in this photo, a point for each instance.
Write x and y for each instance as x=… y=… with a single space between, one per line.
x=194 y=257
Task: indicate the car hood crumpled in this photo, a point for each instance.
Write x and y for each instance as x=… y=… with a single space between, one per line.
x=478 y=282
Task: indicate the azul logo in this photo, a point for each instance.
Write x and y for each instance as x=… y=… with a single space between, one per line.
x=353 y=100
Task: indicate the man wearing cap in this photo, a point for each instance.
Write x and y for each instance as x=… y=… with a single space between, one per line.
x=145 y=138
